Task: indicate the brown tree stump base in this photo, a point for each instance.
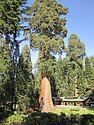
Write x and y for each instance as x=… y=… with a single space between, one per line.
x=45 y=93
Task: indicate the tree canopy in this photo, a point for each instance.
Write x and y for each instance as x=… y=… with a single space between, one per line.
x=48 y=29
x=72 y=75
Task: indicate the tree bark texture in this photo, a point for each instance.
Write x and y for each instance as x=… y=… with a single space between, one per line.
x=45 y=93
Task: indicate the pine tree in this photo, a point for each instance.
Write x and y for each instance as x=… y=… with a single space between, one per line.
x=10 y=19
x=76 y=49
x=88 y=75
x=92 y=62
x=25 y=79
x=10 y=16
x=5 y=54
x=76 y=54
x=59 y=77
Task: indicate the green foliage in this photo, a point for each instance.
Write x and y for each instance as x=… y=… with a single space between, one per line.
x=10 y=16
x=5 y=53
x=87 y=120
x=69 y=71
x=38 y=118
x=25 y=66
x=66 y=74
x=59 y=75
x=74 y=110
x=62 y=119
x=47 y=29
x=76 y=49
x=92 y=61
x=42 y=119
x=10 y=19
x=88 y=76
x=47 y=65
x=14 y=119
x=25 y=80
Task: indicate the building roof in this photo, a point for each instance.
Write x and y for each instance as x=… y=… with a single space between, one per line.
x=57 y=99
x=71 y=99
x=77 y=99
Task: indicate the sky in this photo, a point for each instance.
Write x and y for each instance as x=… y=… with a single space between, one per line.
x=80 y=21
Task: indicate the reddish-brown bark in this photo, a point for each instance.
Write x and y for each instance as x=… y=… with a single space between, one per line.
x=45 y=93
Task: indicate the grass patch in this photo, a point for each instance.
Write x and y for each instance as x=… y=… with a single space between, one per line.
x=78 y=110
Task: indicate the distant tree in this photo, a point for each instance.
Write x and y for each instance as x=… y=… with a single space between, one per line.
x=92 y=62
x=88 y=76
x=75 y=53
x=5 y=56
x=59 y=77
x=76 y=50
x=25 y=78
x=24 y=70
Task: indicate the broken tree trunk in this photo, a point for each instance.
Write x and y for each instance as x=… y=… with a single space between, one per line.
x=45 y=93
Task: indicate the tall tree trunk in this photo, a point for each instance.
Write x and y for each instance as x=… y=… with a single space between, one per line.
x=45 y=88
x=45 y=93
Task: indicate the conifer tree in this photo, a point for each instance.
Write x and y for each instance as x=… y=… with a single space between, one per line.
x=76 y=55
x=59 y=76
x=10 y=26
x=76 y=49
x=88 y=75
x=25 y=78
x=5 y=54
x=47 y=29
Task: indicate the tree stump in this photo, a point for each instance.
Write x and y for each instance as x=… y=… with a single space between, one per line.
x=45 y=93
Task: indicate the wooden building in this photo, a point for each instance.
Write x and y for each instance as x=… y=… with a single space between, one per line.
x=74 y=101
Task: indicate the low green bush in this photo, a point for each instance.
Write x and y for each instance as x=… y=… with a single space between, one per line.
x=16 y=119
x=87 y=119
x=38 y=118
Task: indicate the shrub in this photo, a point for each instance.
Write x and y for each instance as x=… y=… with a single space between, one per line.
x=87 y=119
x=38 y=118
x=75 y=119
x=16 y=119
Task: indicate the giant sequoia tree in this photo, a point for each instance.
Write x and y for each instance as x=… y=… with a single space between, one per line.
x=47 y=33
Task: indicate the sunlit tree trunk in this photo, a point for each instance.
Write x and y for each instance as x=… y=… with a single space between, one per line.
x=45 y=93
x=45 y=87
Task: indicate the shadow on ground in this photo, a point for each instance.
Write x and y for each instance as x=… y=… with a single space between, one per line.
x=38 y=118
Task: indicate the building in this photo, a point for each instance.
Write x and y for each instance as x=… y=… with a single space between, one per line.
x=74 y=101
x=57 y=100
x=90 y=101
